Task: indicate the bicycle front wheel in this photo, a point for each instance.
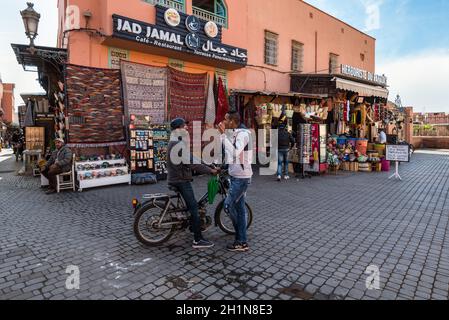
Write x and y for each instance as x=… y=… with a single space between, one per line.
x=148 y=227
x=224 y=221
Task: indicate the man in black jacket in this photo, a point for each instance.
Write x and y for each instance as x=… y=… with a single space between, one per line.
x=180 y=176
x=59 y=162
x=286 y=141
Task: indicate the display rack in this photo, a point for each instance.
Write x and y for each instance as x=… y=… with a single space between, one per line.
x=305 y=147
x=141 y=150
x=161 y=138
x=91 y=174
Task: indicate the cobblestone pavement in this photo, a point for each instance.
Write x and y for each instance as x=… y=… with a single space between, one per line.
x=311 y=239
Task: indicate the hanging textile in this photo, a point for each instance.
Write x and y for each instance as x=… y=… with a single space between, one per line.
x=144 y=91
x=29 y=115
x=305 y=143
x=222 y=106
x=232 y=102
x=348 y=110
x=210 y=106
x=187 y=95
x=95 y=107
x=315 y=133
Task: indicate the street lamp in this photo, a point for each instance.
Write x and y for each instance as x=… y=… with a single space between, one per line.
x=31 y=22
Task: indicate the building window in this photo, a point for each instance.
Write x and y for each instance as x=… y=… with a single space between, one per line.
x=362 y=56
x=333 y=63
x=175 y=4
x=211 y=10
x=271 y=48
x=297 y=56
x=223 y=74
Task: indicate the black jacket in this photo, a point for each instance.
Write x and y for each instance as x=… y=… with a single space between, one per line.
x=286 y=140
x=182 y=172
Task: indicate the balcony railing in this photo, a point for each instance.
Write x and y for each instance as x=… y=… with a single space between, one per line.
x=209 y=16
x=178 y=5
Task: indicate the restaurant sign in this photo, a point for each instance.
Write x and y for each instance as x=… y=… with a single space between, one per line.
x=182 y=34
x=363 y=74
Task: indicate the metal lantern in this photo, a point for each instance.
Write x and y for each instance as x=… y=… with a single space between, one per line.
x=31 y=22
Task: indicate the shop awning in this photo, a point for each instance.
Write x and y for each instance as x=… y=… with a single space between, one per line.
x=362 y=89
x=278 y=94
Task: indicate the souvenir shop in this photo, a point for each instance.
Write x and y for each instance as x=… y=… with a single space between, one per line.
x=304 y=115
x=356 y=111
x=36 y=119
x=121 y=117
x=116 y=119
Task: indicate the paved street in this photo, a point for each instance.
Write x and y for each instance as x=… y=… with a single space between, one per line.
x=311 y=239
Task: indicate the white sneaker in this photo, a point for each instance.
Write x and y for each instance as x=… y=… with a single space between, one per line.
x=286 y=177
x=279 y=178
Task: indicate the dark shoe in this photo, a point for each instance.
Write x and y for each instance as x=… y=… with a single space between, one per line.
x=50 y=191
x=202 y=244
x=238 y=247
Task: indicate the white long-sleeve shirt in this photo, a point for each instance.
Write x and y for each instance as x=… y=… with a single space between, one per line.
x=236 y=156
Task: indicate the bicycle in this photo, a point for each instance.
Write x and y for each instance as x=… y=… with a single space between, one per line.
x=160 y=216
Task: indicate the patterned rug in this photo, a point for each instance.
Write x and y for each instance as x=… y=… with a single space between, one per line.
x=95 y=107
x=187 y=95
x=144 y=90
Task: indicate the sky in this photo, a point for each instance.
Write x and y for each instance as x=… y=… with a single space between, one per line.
x=412 y=47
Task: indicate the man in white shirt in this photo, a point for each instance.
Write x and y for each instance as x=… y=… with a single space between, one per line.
x=382 y=136
x=237 y=142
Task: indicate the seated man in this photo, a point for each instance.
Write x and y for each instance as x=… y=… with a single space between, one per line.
x=59 y=162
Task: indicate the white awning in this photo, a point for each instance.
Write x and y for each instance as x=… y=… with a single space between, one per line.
x=364 y=90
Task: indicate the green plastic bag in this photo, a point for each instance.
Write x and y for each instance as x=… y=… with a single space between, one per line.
x=212 y=189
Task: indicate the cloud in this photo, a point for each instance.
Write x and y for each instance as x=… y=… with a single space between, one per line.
x=372 y=10
x=420 y=79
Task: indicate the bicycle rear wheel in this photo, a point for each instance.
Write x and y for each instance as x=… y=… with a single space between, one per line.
x=146 y=225
x=224 y=221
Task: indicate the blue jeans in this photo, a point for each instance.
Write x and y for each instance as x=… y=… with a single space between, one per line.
x=235 y=206
x=186 y=190
x=282 y=160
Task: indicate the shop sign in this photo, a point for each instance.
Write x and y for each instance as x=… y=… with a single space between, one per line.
x=363 y=74
x=172 y=17
x=45 y=116
x=193 y=24
x=399 y=153
x=211 y=29
x=182 y=38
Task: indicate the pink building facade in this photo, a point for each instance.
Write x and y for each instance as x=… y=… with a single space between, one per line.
x=306 y=39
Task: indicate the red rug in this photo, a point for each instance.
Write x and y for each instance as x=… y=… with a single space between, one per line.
x=187 y=95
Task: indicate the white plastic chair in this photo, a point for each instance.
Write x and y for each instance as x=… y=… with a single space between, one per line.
x=62 y=183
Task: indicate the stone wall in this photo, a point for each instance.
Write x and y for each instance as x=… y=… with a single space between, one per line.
x=431 y=142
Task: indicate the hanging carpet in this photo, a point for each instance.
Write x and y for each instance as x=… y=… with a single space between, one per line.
x=187 y=95
x=144 y=91
x=95 y=107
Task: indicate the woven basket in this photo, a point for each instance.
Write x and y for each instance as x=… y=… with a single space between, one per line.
x=354 y=166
